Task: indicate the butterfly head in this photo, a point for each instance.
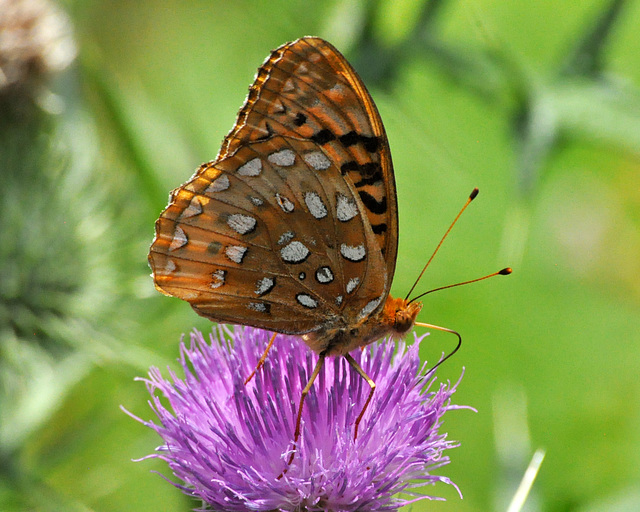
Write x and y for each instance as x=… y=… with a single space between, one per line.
x=401 y=315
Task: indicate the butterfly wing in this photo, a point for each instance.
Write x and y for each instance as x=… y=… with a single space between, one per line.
x=307 y=89
x=284 y=230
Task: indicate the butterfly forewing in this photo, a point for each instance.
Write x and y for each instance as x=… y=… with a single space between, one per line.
x=293 y=228
x=307 y=89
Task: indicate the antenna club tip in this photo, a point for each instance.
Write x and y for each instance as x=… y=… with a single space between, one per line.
x=505 y=271
x=473 y=194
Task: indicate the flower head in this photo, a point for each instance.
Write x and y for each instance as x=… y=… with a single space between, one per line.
x=230 y=443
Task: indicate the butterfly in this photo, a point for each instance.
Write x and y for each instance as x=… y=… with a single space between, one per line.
x=293 y=227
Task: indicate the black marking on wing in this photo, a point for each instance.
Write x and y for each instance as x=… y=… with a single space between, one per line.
x=349 y=166
x=323 y=136
x=371 y=173
x=300 y=119
x=372 y=204
x=371 y=144
x=349 y=139
x=269 y=133
x=379 y=228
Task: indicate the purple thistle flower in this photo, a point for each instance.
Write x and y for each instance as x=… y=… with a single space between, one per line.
x=229 y=443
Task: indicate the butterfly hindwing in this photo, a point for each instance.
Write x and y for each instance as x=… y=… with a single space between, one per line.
x=269 y=237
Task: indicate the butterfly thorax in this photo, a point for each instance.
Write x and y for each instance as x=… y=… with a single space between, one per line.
x=395 y=319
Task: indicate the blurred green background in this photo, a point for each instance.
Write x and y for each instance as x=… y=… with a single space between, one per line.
x=535 y=103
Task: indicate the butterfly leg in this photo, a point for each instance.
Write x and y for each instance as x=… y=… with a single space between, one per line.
x=261 y=361
x=305 y=392
x=372 y=384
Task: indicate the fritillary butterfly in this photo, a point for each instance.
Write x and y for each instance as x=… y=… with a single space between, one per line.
x=294 y=227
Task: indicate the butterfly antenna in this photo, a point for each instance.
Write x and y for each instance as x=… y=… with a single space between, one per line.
x=503 y=272
x=472 y=196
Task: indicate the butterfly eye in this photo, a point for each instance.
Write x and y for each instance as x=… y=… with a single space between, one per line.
x=405 y=318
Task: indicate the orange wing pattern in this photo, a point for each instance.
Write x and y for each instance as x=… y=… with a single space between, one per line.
x=294 y=227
